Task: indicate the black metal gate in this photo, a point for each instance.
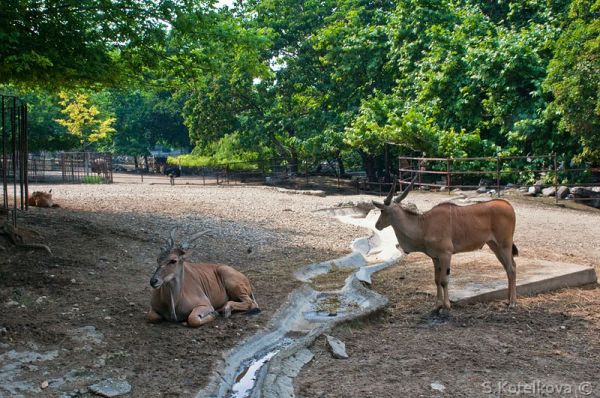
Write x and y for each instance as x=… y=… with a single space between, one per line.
x=13 y=149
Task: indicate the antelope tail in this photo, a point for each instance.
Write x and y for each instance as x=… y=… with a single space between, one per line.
x=515 y=251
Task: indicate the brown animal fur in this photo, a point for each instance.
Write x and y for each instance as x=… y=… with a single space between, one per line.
x=41 y=199
x=447 y=229
x=196 y=291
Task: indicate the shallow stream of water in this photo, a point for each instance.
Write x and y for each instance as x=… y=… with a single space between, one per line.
x=265 y=364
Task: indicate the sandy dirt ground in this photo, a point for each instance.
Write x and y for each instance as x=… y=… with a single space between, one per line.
x=548 y=346
x=78 y=317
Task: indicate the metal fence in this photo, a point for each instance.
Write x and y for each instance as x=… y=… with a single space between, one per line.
x=275 y=171
x=13 y=167
x=500 y=173
x=71 y=167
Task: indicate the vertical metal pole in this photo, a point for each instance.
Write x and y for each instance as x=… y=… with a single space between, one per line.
x=386 y=161
x=4 y=158
x=498 y=175
x=306 y=174
x=14 y=159
x=448 y=175
x=25 y=149
x=555 y=179
x=20 y=153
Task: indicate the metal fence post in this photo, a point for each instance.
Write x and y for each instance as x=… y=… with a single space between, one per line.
x=498 y=175
x=448 y=175
x=555 y=179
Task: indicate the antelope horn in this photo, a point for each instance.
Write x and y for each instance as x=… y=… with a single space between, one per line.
x=170 y=241
x=192 y=238
x=388 y=199
x=406 y=191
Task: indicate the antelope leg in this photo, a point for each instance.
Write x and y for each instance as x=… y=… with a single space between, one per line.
x=444 y=276
x=439 y=301
x=506 y=258
x=201 y=315
x=246 y=304
x=154 y=317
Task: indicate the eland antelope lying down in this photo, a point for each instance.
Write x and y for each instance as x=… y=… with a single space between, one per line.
x=447 y=229
x=41 y=199
x=196 y=292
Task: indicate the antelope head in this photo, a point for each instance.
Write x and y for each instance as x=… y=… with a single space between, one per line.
x=385 y=218
x=171 y=258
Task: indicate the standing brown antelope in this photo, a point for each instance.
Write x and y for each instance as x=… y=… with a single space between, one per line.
x=196 y=291
x=447 y=229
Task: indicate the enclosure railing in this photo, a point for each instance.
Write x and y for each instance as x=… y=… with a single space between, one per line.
x=13 y=167
x=71 y=167
x=499 y=172
x=270 y=171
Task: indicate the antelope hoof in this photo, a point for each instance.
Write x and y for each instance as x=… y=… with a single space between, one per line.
x=253 y=311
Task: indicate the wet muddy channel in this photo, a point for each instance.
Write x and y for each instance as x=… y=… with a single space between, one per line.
x=266 y=364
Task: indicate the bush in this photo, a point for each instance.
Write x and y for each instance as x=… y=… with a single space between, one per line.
x=92 y=180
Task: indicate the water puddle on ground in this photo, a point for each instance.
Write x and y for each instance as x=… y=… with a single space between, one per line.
x=245 y=381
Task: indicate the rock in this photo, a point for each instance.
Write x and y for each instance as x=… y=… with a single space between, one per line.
x=534 y=190
x=44 y=384
x=562 y=192
x=550 y=191
x=586 y=196
x=436 y=386
x=110 y=388
x=11 y=303
x=337 y=347
x=40 y=299
x=482 y=190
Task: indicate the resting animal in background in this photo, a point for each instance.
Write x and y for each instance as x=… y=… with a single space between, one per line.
x=196 y=291
x=447 y=229
x=41 y=199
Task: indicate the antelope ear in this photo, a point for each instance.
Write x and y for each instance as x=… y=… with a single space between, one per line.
x=379 y=205
x=186 y=254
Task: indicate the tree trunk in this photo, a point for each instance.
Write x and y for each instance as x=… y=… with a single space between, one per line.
x=340 y=163
x=146 y=167
x=369 y=166
x=294 y=161
x=136 y=162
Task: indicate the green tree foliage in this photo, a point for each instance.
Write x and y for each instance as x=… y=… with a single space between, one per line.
x=329 y=80
x=574 y=77
x=144 y=119
x=62 y=43
x=84 y=121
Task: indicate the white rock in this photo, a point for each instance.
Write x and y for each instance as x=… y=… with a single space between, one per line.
x=337 y=347
x=438 y=386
